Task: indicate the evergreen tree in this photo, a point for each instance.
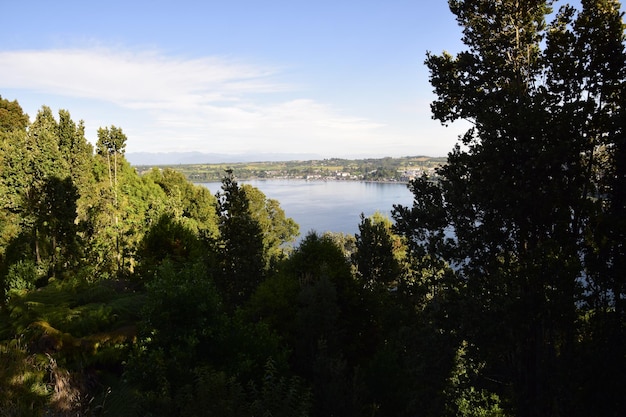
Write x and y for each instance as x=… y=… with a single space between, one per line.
x=240 y=245
x=55 y=222
x=34 y=161
x=76 y=150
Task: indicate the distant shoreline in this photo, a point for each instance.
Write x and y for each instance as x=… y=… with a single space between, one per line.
x=381 y=170
x=314 y=180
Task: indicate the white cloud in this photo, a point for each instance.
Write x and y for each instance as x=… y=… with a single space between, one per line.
x=209 y=104
x=133 y=79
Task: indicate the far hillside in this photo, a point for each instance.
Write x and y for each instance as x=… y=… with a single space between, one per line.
x=375 y=169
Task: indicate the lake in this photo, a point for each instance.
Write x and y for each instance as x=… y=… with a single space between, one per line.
x=333 y=206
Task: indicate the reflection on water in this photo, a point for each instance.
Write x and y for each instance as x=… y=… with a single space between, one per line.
x=330 y=205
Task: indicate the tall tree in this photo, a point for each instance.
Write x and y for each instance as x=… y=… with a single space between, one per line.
x=240 y=245
x=112 y=143
x=328 y=324
x=515 y=202
x=588 y=62
x=39 y=190
x=35 y=160
x=55 y=221
x=13 y=134
x=78 y=152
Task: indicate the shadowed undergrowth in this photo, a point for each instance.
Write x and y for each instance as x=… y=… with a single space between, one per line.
x=61 y=343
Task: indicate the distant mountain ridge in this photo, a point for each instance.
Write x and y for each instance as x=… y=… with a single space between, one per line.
x=186 y=158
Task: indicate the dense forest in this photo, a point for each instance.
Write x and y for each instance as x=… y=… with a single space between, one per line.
x=500 y=292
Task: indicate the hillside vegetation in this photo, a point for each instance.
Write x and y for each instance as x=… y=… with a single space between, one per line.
x=374 y=169
x=499 y=292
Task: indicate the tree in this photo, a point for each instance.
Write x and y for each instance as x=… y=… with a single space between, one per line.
x=278 y=230
x=240 y=245
x=55 y=221
x=378 y=253
x=14 y=179
x=192 y=204
x=588 y=50
x=111 y=141
x=12 y=117
x=181 y=320
x=517 y=200
x=33 y=159
x=168 y=241
x=327 y=324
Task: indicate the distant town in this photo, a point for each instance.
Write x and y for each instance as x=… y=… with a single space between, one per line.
x=387 y=169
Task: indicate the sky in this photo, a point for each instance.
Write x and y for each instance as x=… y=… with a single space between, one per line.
x=339 y=78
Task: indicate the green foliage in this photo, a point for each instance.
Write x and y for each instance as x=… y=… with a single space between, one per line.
x=317 y=257
x=379 y=253
x=327 y=326
x=240 y=248
x=345 y=241
x=167 y=241
x=516 y=209
x=12 y=117
x=66 y=334
x=381 y=174
x=214 y=393
x=189 y=345
x=280 y=396
x=319 y=349
x=14 y=154
x=111 y=141
x=499 y=292
x=211 y=393
x=73 y=224
x=465 y=398
x=78 y=152
x=55 y=220
x=23 y=380
x=20 y=278
x=274 y=303
x=38 y=194
x=193 y=205
x=277 y=230
x=182 y=307
x=385 y=169
x=79 y=309
x=180 y=318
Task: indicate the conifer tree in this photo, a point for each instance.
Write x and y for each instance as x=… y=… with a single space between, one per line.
x=240 y=245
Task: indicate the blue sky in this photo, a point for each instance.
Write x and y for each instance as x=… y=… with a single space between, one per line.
x=330 y=78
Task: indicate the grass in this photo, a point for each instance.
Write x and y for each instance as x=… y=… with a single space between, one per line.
x=23 y=386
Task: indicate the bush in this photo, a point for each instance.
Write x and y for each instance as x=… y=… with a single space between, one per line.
x=20 y=278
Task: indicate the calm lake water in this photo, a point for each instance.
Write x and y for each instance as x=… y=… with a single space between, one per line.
x=333 y=206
